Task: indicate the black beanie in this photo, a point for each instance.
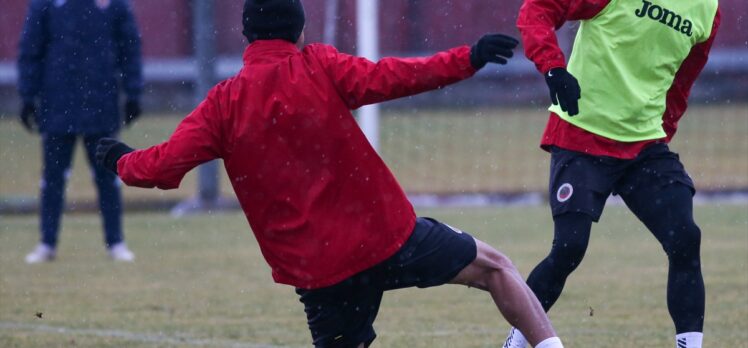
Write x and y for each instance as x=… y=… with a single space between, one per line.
x=273 y=19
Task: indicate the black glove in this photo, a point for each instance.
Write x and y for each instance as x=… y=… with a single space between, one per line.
x=132 y=111
x=28 y=116
x=492 y=48
x=109 y=151
x=564 y=90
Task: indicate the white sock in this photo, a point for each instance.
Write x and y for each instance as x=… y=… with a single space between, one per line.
x=553 y=342
x=515 y=339
x=689 y=340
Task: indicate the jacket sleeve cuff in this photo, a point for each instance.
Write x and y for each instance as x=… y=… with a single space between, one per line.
x=548 y=66
x=463 y=53
x=121 y=167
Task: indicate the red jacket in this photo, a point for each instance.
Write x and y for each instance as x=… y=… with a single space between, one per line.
x=539 y=19
x=321 y=202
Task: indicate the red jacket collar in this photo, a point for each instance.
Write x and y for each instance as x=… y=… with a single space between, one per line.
x=269 y=48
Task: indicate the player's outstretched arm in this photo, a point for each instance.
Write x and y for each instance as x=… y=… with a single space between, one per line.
x=196 y=140
x=538 y=21
x=360 y=81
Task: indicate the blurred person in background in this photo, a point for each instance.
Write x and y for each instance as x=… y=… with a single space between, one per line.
x=616 y=106
x=73 y=57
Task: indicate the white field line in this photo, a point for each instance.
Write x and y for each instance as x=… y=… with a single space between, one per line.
x=134 y=336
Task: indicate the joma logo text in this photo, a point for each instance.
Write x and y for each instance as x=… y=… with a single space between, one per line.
x=665 y=16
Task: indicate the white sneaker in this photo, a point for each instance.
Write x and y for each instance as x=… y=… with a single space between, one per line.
x=120 y=252
x=515 y=339
x=42 y=253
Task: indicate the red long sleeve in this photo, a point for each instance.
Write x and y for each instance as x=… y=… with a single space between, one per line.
x=677 y=95
x=360 y=81
x=538 y=21
x=196 y=140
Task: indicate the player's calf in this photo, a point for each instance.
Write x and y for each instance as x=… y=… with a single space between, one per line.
x=494 y=272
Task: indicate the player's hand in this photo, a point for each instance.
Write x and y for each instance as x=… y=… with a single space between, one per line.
x=28 y=116
x=109 y=151
x=492 y=48
x=564 y=90
x=132 y=111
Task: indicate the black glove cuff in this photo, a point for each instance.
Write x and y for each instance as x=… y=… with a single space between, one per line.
x=114 y=154
x=555 y=74
x=475 y=60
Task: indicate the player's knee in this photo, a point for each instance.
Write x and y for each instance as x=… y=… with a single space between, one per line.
x=54 y=176
x=572 y=232
x=572 y=250
x=567 y=255
x=498 y=266
x=499 y=261
x=489 y=266
x=52 y=184
x=683 y=242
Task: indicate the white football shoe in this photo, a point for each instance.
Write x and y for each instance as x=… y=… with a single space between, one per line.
x=42 y=253
x=120 y=252
x=515 y=339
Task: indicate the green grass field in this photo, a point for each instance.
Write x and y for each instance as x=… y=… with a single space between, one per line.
x=201 y=281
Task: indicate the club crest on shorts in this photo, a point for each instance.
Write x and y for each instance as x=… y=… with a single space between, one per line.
x=564 y=192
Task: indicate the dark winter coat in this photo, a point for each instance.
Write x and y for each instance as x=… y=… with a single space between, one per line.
x=73 y=56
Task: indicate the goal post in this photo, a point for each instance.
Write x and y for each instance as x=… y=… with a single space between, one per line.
x=367 y=39
x=208 y=193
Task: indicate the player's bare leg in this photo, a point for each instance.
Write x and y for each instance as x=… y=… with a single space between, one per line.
x=492 y=271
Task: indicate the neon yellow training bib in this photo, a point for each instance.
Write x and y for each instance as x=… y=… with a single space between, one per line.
x=625 y=59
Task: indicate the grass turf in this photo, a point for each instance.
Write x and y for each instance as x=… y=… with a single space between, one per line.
x=201 y=281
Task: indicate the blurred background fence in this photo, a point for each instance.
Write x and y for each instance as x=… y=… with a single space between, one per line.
x=478 y=136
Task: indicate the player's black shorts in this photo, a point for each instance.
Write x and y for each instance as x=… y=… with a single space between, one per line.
x=342 y=315
x=582 y=183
